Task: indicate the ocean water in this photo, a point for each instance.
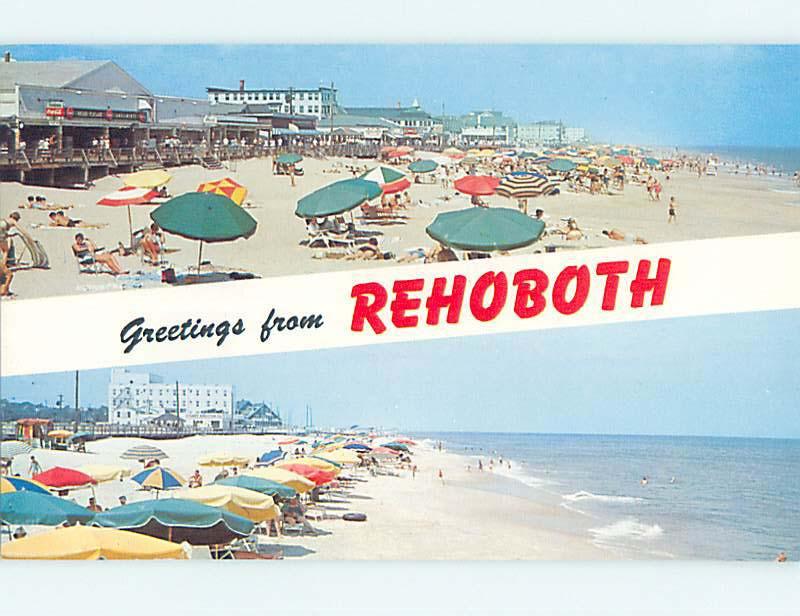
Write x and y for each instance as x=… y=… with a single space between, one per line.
x=705 y=498
x=786 y=160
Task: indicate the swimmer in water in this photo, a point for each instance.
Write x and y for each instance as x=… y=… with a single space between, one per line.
x=644 y=481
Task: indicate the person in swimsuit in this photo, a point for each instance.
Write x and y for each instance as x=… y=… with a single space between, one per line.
x=673 y=206
x=85 y=250
x=616 y=234
x=7 y=227
x=152 y=243
x=59 y=219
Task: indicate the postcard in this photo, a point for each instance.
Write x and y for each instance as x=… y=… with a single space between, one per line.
x=399 y=302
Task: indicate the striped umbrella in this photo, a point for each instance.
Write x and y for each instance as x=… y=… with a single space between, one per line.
x=159 y=478
x=389 y=179
x=18 y=484
x=9 y=449
x=144 y=452
x=521 y=185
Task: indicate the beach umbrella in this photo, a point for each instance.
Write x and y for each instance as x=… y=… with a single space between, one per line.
x=144 y=452
x=625 y=159
x=396 y=153
x=205 y=217
x=224 y=459
x=485 y=229
x=159 y=478
x=60 y=433
x=341 y=456
x=486 y=153
x=282 y=476
x=289 y=441
x=405 y=149
x=337 y=198
x=60 y=478
x=259 y=484
x=314 y=462
x=477 y=184
x=88 y=543
x=178 y=520
x=128 y=196
x=319 y=477
x=561 y=165
x=652 y=162
x=405 y=441
x=27 y=507
x=254 y=506
x=149 y=178
x=227 y=188
x=423 y=166
x=105 y=472
x=523 y=185
x=288 y=159
x=388 y=178
x=607 y=161
x=79 y=436
x=9 y=449
x=271 y=457
x=396 y=446
x=357 y=447
x=527 y=154
x=384 y=452
x=18 y=484
x=453 y=153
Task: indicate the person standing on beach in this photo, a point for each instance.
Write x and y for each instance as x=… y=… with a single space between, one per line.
x=673 y=207
x=414 y=471
x=35 y=467
x=7 y=226
x=441 y=476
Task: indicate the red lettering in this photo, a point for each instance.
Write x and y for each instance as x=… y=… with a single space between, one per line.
x=530 y=299
x=581 y=277
x=612 y=270
x=403 y=302
x=499 y=282
x=438 y=300
x=642 y=284
x=370 y=299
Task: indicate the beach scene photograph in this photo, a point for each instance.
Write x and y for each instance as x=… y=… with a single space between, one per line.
x=144 y=166
x=665 y=440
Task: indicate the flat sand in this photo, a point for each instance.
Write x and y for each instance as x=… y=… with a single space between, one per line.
x=470 y=515
x=708 y=207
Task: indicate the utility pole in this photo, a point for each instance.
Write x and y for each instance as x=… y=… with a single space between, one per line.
x=77 y=402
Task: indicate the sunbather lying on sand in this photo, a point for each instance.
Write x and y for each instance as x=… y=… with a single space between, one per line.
x=571 y=231
x=85 y=250
x=616 y=234
x=369 y=252
x=40 y=203
x=60 y=219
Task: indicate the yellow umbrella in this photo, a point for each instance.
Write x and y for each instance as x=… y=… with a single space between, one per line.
x=287 y=478
x=487 y=152
x=224 y=459
x=227 y=188
x=89 y=543
x=315 y=462
x=473 y=152
x=149 y=178
x=59 y=434
x=341 y=456
x=103 y=472
x=252 y=505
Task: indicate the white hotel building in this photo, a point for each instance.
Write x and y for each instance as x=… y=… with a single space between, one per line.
x=135 y=398
x=294 y=101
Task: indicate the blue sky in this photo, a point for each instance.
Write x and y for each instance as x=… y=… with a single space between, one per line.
x=724 y=375
x=654 y=95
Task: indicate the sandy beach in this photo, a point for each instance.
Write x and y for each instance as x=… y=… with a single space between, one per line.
x=470 y=515
x=708 y=207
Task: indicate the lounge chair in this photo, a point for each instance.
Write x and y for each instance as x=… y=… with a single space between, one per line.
x=88 y=265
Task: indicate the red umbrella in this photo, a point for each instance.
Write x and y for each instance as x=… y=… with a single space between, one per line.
x=128 y=196
x=477 y=184
x=625 y=160
x=384 y=450
x=64 y=478
x=316 y=475
x=405 y=441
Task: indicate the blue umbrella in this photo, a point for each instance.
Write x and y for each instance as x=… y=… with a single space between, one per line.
x=357 y=447
x=271 y=457
x=26 y=507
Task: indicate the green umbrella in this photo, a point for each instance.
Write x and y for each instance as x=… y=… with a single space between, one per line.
x=652 y=162
x=336 y=198
x=27 y=507
x=204 y=216
x=288 y=159
x=561 y=164
x=423 y=166
x=257 y=484
x=485 y=229
x=177 y=520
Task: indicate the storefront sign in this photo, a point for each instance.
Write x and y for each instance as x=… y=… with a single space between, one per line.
x=58 y=110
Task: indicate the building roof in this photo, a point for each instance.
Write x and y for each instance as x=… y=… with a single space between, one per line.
x=389 y=113
x=342 y=120
x=99 y=75
x=257 y=90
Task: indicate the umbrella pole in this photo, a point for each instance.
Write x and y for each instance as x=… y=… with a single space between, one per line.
x=130 y=227
x=199 y=256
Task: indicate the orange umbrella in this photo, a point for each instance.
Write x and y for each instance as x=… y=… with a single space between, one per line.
x=316 y=475
x=227 y=188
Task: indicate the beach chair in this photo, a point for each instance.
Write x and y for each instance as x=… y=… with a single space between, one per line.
x=87 y=264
